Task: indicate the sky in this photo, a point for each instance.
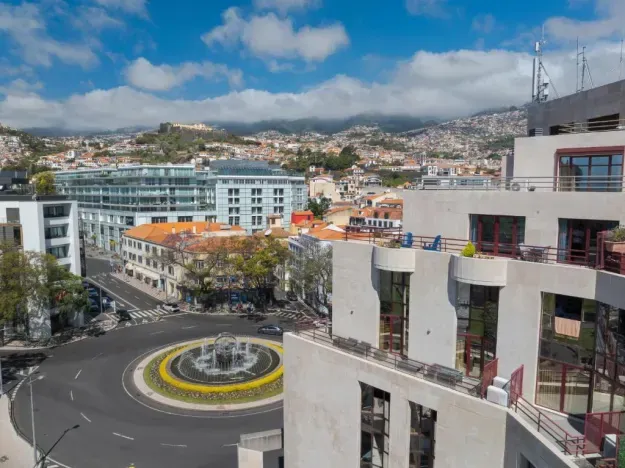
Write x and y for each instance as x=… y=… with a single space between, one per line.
x=107 y=64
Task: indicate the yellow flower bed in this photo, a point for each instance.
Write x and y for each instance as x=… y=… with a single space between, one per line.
x=200 y=388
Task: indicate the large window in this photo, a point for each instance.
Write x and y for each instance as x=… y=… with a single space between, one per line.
x=477 y=309
x=581 y=367
x=577 y=239
x=590 y=173
x=374 y=427
x=499 y=235
x=55 y=232
x=59 y=252
x=422 y=432
x=394 y=311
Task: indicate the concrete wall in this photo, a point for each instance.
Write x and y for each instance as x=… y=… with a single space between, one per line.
x=536 y=156
x=604 y=100
x=322 y=413
x=355 y=285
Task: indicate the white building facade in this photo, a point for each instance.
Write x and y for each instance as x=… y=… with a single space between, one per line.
x=406 y=379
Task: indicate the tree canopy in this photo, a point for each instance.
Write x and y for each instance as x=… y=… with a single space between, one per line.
x=306 y=158
x=319 y=207
x=44 y=183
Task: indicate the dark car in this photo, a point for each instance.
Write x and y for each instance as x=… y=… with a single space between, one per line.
x=291 y=296
x=271 y=330
x=123 y=315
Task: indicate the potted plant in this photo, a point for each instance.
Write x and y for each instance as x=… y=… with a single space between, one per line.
x=615 y=240
x=468 y=251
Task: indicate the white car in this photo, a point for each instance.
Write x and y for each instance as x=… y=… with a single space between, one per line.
x=171 y=307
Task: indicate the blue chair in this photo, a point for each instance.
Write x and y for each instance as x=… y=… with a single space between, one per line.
x=434 y=246
x=407 y=240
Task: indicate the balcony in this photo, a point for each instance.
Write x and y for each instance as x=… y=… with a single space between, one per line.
x=479 y=271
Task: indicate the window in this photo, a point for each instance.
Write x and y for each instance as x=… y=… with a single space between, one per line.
x=56 y=232
x=140 y=259
x=233 y=220
x=499 y=235
x=477 y=310
x=53 y=211
x=170 y=270
x=111 y=231
x=257 y=192
x=375 y=415
x=147 y=248
x=257 y=201
x=590 y=173
x=111 y=218
x=422 y=433
x=158 y=219
x=394 y=311
x=278 y=192
x=257 y=210
x=185 y=219
x=257 y=220
x=577 y=239
x=233 y=192
x=278 y=209
x=278 y=200
x=59 y=252
x=199 y=265
x=153 y=250
x=233 y=211
x=233 y=201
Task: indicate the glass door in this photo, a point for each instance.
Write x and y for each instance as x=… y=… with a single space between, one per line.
x=392 y=332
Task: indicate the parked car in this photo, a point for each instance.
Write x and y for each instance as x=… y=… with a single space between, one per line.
x=123 y=315
x=291 y=296
x=271 y=330
x=92 y=292
x=171 y=307
x=86 y=284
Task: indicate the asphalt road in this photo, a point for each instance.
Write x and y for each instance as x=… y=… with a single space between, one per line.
x=82 y=386
x=122 y=293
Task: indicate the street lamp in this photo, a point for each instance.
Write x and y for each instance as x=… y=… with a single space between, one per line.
x=32 y=415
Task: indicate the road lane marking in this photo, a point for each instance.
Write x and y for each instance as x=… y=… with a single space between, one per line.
x=156 y=333
x=88 y=420
x=97 y=356
x=189 y=328
x=78 y=374
x=174 y=445
x=71 y=395
x=229 y=445
x=122 y=436
x=138 y=297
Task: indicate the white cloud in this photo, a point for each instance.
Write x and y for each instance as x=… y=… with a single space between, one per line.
x=439 y=85
x=25 y=26
x=484 y=23
x=283 y=6
x=432 y=8
x=20 y=87
x=143 y=74
x=95 y=19
x=270 y=37
x=137 y=7
x=610 y=23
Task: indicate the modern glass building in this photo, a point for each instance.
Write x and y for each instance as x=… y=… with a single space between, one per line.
x=111 y=200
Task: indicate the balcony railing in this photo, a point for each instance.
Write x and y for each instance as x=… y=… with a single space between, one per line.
x=601 y=183
x=435 y=373
x=596 y=126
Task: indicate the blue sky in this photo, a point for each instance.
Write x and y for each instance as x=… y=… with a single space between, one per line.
x=112 y=63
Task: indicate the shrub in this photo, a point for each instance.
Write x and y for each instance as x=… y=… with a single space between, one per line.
x=617 y=234
x=468 y=251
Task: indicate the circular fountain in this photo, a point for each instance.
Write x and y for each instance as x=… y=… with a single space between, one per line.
x=216 y=371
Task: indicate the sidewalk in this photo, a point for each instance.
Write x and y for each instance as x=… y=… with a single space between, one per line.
x=15 y=452
x=141 y=286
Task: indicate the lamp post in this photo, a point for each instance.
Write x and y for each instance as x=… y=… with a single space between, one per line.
x=32 y=417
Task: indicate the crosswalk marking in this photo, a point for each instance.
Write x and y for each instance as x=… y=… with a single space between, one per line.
x=148 y=313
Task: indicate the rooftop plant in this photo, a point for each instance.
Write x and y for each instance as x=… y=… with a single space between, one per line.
x=468 y=251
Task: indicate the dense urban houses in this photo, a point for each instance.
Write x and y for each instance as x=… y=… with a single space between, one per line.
x=492 y=332
x=239 y=193
x=173 y=257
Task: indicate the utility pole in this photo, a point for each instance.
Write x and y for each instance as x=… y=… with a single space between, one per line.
x=1 y=383
x=32 y=419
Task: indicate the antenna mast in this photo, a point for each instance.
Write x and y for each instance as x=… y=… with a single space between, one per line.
x=620 y=67
x=585 y=69
x=540 y=87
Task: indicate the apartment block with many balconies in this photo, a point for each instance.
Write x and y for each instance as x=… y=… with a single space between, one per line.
x=510 y=357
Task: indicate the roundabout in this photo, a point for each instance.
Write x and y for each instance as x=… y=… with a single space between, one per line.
x=104 y=403
x=225 y=372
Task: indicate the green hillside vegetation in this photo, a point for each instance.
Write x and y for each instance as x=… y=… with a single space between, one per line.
x=393 y=179
x=304 y=159
x=387 y=143
x=35 y=145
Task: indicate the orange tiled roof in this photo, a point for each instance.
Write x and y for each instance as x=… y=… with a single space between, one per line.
x=158 y=233
x=303 y=213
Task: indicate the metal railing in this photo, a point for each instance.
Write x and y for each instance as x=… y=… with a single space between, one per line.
x=598 y=425
x=488 y=375
x=602 y=183
x=570 y=444
x=596 y=126
x=441 y=375
x=515 y=390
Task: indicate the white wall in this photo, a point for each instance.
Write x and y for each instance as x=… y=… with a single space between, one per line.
x=536 y=156
x=322 y=413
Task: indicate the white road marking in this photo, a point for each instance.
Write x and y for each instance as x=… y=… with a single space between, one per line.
x=229 y=445
x=156 y=333
x=88 y=420
x=189 y=328
x=137 y=297
x=78 y=374
x=52 y=466
x=97 y=356
x=174 y=445
x=122 y=436
x=71 y=395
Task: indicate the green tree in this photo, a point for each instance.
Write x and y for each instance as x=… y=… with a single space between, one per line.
x=44 y=183
x=311 y=272
x=319 y=207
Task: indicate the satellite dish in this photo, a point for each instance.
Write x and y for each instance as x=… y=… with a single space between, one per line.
x=268 y=232
x=516 y=187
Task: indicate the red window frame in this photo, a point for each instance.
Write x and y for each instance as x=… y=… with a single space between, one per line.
x=496 y=243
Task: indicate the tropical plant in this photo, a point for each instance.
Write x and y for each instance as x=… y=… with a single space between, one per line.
x=469 y=250
x=44 y=183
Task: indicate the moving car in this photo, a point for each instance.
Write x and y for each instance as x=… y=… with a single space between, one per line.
x=92 y=292
x=171 y=307
x=123 y=315
x=271 y=330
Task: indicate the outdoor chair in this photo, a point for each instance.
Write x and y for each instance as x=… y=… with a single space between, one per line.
x=434 y=246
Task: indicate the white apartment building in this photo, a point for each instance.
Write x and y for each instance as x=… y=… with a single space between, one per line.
x=407 y=376
x=46 y=224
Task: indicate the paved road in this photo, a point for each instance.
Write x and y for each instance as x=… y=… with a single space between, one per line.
x=122 y=293
x=83 y=387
